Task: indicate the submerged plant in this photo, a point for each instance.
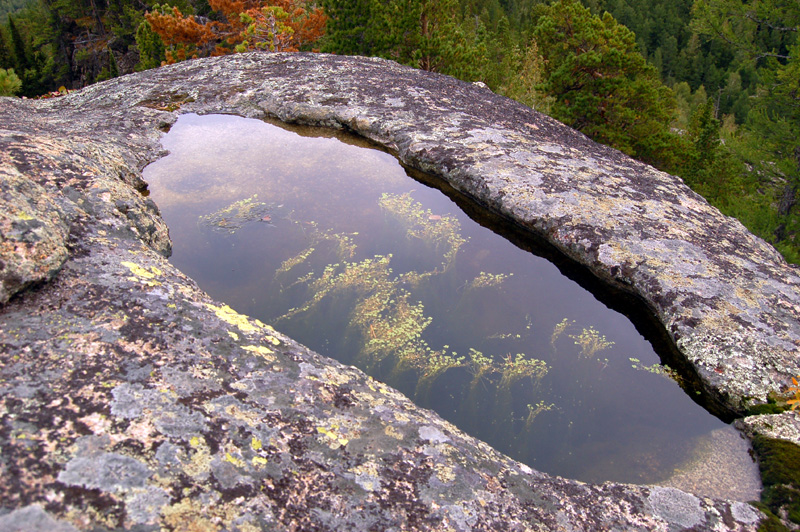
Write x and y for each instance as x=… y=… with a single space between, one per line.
x=535 y=410
x=441 y=232
x=231 y=218
x=488 y=280
x=385 y=317
x=559 y=329
x=515 y=368
x=435 y=365
x=480 y=366
x=656 y=369
x=591 y=341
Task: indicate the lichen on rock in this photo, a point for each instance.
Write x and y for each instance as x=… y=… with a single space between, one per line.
x=129 y=399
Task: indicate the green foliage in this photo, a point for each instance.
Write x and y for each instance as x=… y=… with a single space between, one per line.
x=18 y=47
x=763 y=36
x=9 y=7
x=600 y=83
x=10 y=84
x=441 y=233
x=428 y=34
x=779 y=463
x=590 y=342
x=151 y=48
x=6 y=59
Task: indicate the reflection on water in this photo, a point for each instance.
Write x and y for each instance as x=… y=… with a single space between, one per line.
x=337 y=247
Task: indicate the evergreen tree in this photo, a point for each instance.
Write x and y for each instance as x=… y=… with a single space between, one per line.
x=601 y=84
x=20 y=52
x=10 y=84
x=151 y=47
x=765 y=34
x=360 y=27
x=6 y=61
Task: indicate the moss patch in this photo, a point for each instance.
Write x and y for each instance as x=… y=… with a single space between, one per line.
x=779 y=462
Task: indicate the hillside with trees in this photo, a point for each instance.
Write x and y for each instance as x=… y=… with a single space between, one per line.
x=704 y=89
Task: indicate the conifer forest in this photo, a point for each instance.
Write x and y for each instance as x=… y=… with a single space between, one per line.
x=708 y=90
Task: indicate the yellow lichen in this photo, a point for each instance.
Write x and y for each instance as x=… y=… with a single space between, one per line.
x=228 y=315
x=141 y=272
x=271 y=339
x=335 y=439
x=200 y=461
x=260 y=350
x=393 y=432
x=445 y=473
x=187 y=516
x=233 y=460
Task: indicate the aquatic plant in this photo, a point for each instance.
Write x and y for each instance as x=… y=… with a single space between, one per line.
x=442 y=232
x=519 y=367
x=391 y=327
x=437 y=363
x=480 y=366
x=358 y=277
x=559 y=329
x=231 y=218
x=488 y=280
x=291 y=262
x=591 y=341
x=656 y=369
x=389 y=323
x=535 y=410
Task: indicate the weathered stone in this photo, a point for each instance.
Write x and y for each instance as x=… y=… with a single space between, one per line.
x=781 y=427
x=130 y=399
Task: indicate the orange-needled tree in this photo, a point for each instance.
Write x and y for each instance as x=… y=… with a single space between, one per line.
x=238 y=25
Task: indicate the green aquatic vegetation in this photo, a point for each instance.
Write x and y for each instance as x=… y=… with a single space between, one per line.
x=391 y=327
x=519 y=367
x=591 y=342
x=656 y=369
x=435 y=365
x=233 y=217
x=535 y=410
x=488 y=280
x=358 y=277
x=559 y=329
x=387 y=322
x=442 y=232
x=291 y=262
x=480 y=366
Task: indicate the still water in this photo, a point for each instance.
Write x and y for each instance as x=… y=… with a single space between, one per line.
x=335 y=245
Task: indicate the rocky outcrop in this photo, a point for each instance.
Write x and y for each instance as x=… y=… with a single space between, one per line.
x=131 y=400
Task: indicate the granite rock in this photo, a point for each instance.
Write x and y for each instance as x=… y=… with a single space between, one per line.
x=131 y=400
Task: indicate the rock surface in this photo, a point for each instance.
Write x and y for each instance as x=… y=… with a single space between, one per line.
x=131 y=400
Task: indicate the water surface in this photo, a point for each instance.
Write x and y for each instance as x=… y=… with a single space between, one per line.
x=336 y=246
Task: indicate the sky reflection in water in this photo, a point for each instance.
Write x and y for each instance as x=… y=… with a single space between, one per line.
x=336 y=246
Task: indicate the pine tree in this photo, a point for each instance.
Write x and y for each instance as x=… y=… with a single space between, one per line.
x=764 y=33
x=151 y=47
x=6 y=60
x=601 y=84
x=20 y=52
x=10 y=84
